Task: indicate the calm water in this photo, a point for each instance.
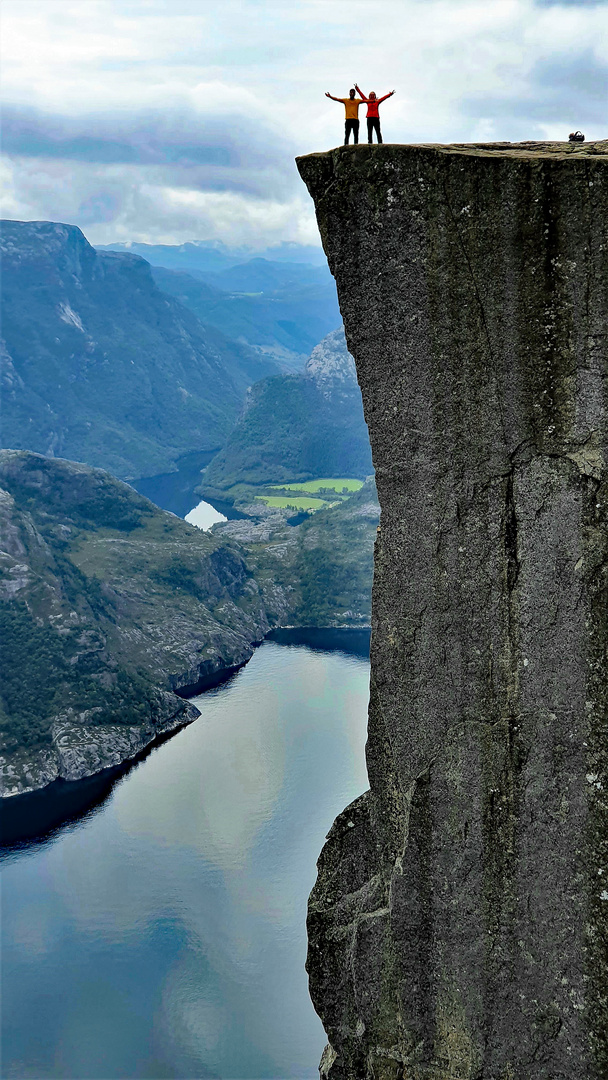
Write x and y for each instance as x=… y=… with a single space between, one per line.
x=163 y=935
x=176 y=491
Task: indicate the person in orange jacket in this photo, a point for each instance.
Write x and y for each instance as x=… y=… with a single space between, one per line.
x=351 y=122
x=373 y=116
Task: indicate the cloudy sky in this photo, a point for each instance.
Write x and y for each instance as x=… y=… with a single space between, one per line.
x=172 y=120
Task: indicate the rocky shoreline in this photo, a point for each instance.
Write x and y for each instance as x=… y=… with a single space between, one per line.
x=112 y=612
x=79 y=749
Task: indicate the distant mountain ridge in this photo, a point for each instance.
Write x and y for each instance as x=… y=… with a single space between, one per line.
x=280 y=312
x=214 y=255
x=280 y=301
x=99 y=365
x=263 y=275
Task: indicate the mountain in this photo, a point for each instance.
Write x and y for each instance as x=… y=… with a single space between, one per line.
x=261 y=275
x=213 y=255
x=108 y=605
x=190 y=256
x=298 y=427
x=280 y=310
x=99 y=365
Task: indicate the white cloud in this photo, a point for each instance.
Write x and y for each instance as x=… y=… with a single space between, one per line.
x=464 y=70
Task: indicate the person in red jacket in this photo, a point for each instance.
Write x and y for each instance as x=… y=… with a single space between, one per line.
x=373 y=117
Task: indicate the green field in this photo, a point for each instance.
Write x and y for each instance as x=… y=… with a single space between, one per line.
x=286 y=502
x=326 y=484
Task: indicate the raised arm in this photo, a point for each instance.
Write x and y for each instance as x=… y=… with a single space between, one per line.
x=390 y=94
x=361 y=94
x=327 y=94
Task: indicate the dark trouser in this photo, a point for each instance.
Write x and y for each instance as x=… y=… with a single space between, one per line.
x=351 y=125
x=373 y=124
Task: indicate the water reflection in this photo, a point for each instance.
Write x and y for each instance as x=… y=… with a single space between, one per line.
x=165 y=936
x=204 y=515
x=176 y=491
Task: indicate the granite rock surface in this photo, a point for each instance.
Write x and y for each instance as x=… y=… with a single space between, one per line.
x=458 y=928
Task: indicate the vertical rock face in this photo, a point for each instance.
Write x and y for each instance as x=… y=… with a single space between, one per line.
x=458 y=927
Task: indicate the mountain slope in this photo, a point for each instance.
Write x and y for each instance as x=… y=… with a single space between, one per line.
x=107 y=606
x=100 y=365
x=323 y=567
x=297 y=427
x=276 y=311
x=262 y=275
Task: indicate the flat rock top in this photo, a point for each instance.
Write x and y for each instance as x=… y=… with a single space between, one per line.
x=494 y=149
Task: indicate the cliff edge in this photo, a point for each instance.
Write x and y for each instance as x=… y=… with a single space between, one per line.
x=459 y=924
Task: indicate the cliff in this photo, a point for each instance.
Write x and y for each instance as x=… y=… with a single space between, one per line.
x=459 y=924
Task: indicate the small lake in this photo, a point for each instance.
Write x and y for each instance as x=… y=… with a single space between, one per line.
x=162 y=935
x=176 y=491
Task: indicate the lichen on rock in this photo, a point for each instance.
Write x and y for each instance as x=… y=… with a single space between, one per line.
x=459 y=927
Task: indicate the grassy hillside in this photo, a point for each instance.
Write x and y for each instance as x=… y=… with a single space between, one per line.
x=296 y=428
x=324 y=565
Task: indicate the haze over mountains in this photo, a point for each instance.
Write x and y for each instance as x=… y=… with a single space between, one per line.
x=101 y=364
x=279 y=309
x=102 y=367
x=281 y=300
x=213 y=255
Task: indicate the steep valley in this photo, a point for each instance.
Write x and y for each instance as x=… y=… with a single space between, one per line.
x=100 y=366
x=111 y=608
x=295 y=428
